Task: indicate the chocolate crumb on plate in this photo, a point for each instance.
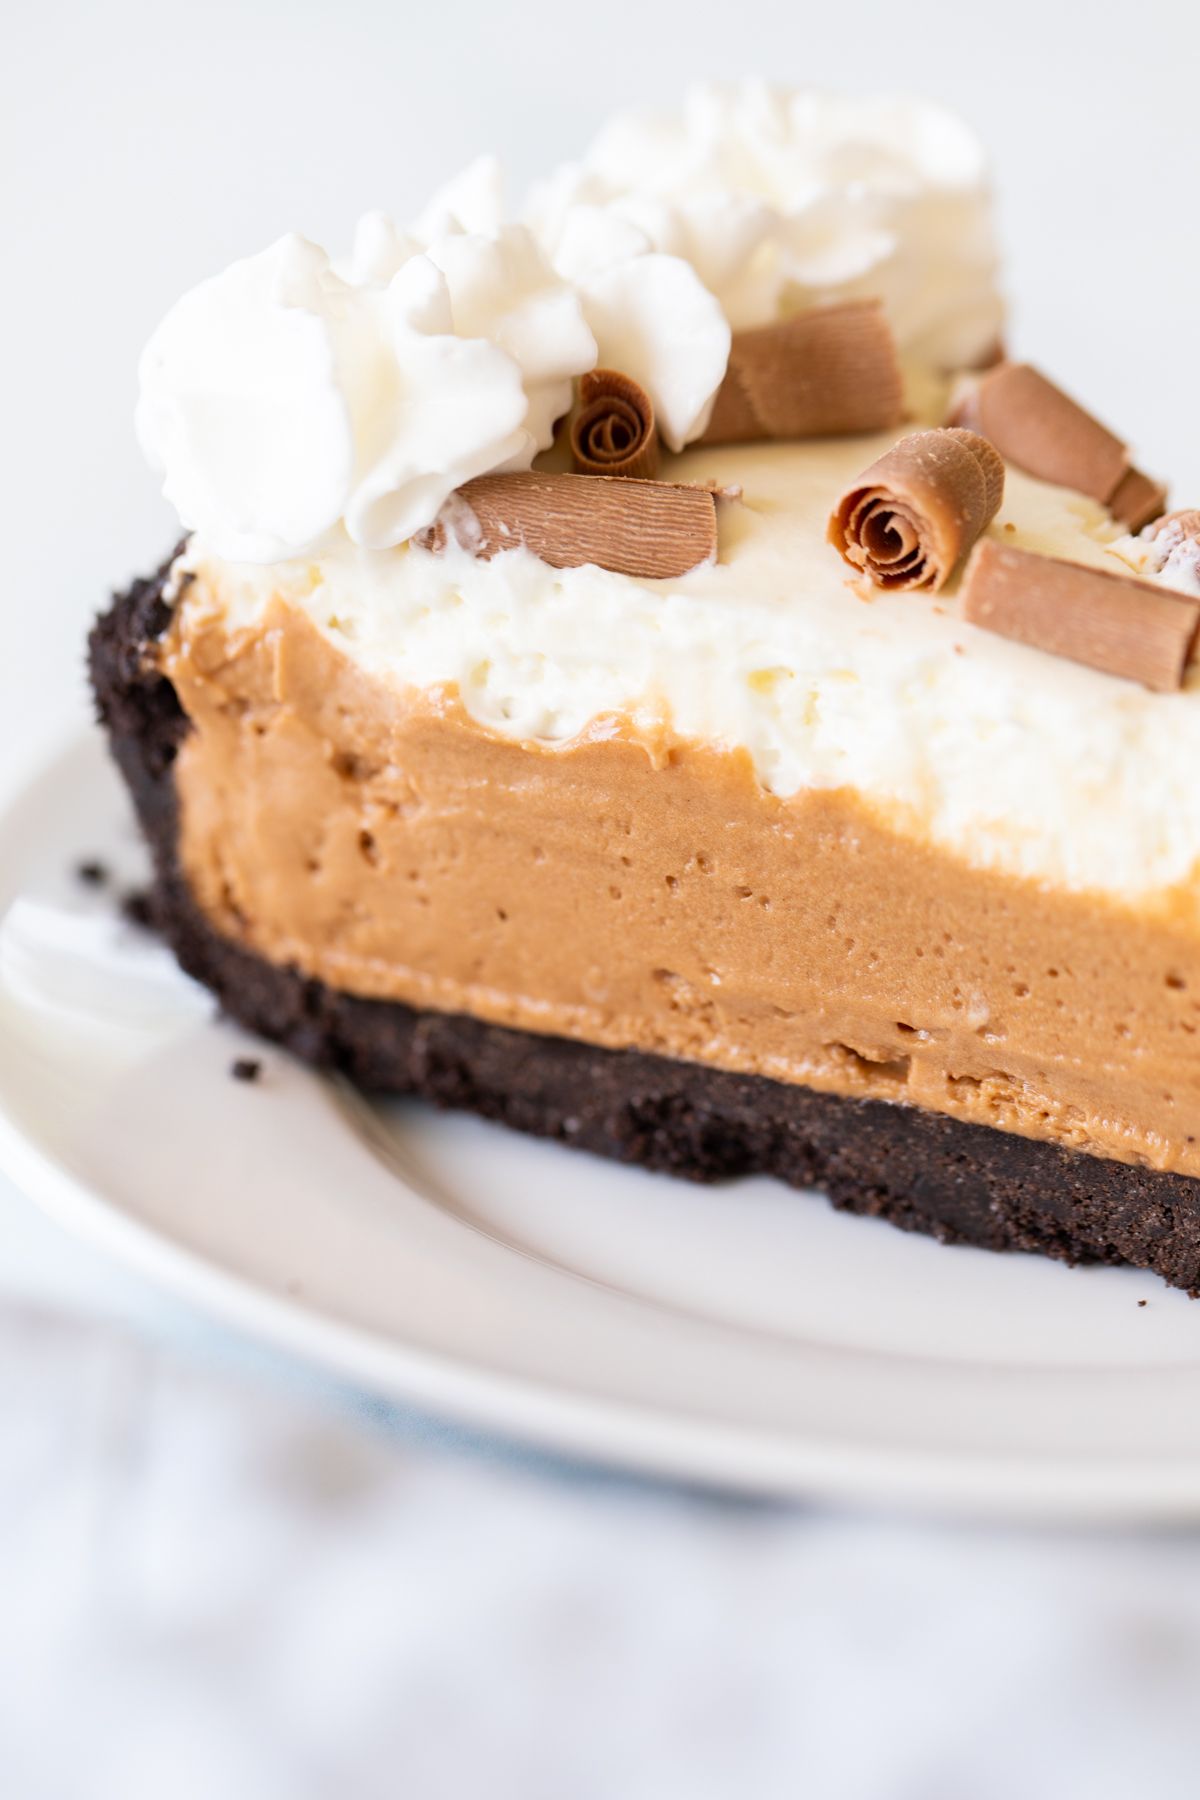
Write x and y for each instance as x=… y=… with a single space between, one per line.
x=245 y=1068
x=91 y=872
x=136 y=909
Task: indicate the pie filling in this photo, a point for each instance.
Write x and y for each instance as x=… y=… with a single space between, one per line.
x=635 y=888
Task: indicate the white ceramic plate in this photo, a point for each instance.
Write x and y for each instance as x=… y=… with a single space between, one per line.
x=744 y=1334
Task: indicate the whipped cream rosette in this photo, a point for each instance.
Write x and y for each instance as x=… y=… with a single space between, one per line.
x=280 y=398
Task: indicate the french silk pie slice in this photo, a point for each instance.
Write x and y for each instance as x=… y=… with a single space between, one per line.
x=650 y=670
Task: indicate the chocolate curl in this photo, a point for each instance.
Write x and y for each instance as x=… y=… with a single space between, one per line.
x=655 y=529
x=909 y=520
x=1137 y=499
x=1109 y=622
x=1043 y=431
x=614 y=431
x=825 y=373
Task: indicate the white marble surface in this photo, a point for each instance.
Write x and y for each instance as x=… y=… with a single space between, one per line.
x=222 y=1576
x=245 y=1588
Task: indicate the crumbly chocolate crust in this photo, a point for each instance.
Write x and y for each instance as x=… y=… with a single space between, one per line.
x=957 y=1182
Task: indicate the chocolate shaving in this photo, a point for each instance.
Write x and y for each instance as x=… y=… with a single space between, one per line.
x=614 y=432
x=655 y=529
x=137 y=908
x=1137 y=499
x=1108 y=621
x=1043 y=431
x=824 y=373
x=909 y=520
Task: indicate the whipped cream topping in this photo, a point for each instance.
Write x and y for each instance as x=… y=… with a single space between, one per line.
x=283 y=400
x=779 y=201
x=1168 y=553
x=295 y=400
x=1010 y=758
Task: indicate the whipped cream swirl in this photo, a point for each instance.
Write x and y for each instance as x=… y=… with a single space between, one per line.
x=293 y=399
x=281 y=399
x=781 y=200
x=1170 y=552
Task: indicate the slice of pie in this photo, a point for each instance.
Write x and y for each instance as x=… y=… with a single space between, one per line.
x=509 y=730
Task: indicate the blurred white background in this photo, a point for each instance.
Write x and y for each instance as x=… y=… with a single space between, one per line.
x=258 y=1600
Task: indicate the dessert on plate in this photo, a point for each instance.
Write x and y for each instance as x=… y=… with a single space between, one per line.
x=649 y=668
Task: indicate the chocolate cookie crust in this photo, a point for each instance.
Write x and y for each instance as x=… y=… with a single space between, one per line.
x=957 y=1182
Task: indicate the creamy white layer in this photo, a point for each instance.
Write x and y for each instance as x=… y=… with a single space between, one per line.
x=1014 y=760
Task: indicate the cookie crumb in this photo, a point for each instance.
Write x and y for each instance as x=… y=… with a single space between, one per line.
x=135 y=909
x=92 y=872
x=246 y=1068
x=1141 y=1303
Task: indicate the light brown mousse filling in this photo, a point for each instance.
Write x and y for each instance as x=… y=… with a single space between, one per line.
x=647 y=893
